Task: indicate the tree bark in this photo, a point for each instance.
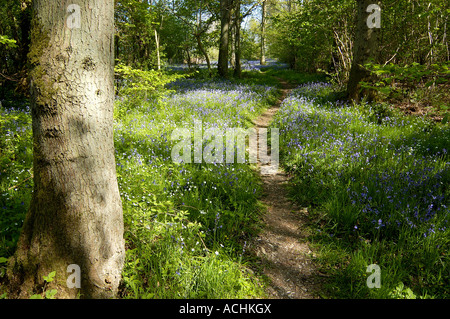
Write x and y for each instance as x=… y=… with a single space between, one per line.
x=237 y=41
x=203 y=51
x=198 y=36
x=158 y=57
x=365 y=49
x=263 y=33
x=232 y=42
x=225 y=16
x=75 y=216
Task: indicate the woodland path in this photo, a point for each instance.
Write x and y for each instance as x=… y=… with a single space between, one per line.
x=281 y=249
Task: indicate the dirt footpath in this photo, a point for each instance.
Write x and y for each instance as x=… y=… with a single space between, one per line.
x=281 y=248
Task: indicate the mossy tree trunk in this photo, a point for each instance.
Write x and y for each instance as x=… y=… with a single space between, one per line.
x=225 y=17
x=75 y=215
x=237 y=40
x=364 y=50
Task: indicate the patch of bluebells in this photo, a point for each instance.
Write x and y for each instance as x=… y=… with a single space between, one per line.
x=248 y=65
x=143 y=152
x=394 y=174
x=411 y=199
x=217 y=104
x=255 y=65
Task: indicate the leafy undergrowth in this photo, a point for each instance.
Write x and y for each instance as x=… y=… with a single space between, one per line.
x=414 y=89
x=187 y=224
x=16 y=180
x=377 y=185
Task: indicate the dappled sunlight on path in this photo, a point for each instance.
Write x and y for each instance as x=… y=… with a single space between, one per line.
x=281 y=248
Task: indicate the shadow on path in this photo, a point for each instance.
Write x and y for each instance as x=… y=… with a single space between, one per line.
x=281 y=248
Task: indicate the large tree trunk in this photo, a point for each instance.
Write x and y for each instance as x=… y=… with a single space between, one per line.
x=365 y=48
x=75 y=215
x=263 y=33
x=225 y=16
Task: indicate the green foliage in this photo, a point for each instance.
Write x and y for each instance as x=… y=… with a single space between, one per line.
x=46 y=293
x=376 y=112
x=319 y=34
x=250 y=46
x=135 y=41
x=186 y=224
x=14 y=40
x=50 y=277
x=394 y=80
x=15 y=174
x=138 y=85
x=168 y=258
x=10 y=43
x=304 y=36
x=402 y=292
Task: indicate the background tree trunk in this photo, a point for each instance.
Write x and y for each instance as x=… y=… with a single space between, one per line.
x=263 y=33
x=225 y=16
x=203 y=51
x=232 y=40
x=158 y=57
x=365 y=48
x=237 y=41
x=75 y=215
x=157 y=42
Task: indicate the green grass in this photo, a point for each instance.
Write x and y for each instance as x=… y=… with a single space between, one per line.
x=293 y=77
x=186 y=225
x=377 y=185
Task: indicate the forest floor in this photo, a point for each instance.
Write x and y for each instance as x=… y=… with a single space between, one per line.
x=358 y=185
x=282 y=249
